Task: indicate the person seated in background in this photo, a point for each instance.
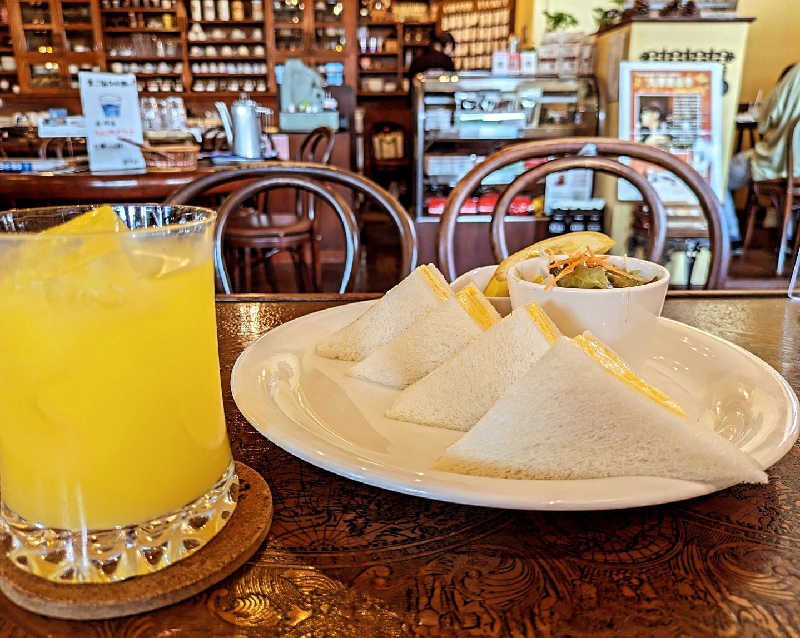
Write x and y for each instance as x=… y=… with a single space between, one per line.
x=767 y=159
x=436 y=56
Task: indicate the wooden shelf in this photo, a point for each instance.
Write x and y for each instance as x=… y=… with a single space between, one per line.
x=143 y=58
x=378 y=71
x=229 y=22
x=136 y=10
x=105 y=25
x=223 y=74
x=232 y=58
x=379 y=55
x=215 y=42
x=139 y=30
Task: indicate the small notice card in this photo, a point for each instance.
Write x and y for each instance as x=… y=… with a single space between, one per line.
x=111 y=109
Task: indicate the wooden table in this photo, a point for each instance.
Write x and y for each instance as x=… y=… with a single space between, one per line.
x=346 y=559
x=27 y=189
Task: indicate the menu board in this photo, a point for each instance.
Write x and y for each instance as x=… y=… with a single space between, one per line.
x=676 y=106
x=479 y=27
x=111 y=109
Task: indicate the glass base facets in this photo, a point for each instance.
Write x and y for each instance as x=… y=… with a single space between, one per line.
x=109 y=555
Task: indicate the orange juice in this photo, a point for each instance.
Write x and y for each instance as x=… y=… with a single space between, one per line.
x=110 y=403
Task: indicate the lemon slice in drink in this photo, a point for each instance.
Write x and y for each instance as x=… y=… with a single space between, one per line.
x=567 y=244
x=102 y=219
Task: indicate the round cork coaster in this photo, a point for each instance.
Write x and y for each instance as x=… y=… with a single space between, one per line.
x=224 y=554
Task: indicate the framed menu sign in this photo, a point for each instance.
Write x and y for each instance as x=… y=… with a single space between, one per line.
x=676 y=106
x=111 y=110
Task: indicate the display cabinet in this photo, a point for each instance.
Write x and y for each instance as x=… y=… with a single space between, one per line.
x=53 y=40
x=217 y=48
x=385 y=52
x=461 y=118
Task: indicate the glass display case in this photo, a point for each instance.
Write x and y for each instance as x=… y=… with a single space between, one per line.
x=461 y=118
x=54 y=41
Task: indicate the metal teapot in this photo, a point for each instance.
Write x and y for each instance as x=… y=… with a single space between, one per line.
x=243 y=126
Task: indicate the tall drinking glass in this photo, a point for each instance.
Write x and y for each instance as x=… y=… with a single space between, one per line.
x=114 y=457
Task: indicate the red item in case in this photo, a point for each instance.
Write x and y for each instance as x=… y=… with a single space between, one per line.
x=436 y=205
x=470 y=207
x=520 y=206
x=487 y=202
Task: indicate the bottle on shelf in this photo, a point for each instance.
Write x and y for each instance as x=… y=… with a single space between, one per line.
x=197 y=10
x=257 y=7
x=209 y=12
x=237 y=10
x=223 y=10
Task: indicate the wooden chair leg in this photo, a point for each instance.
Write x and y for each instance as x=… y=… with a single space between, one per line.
x=269 y=270
x=248 y=269
x=316 y=264
x=233 y=259
x=298 y=262
x=752 y=210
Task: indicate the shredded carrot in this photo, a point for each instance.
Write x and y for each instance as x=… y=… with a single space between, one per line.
x=585 y=258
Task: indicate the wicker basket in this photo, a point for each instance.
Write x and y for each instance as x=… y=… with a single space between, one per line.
x=171 y=157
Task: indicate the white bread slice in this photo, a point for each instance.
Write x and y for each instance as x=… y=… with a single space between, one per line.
x=430 y=341
x=457 y=394
x=571 y=417
x=415 y=296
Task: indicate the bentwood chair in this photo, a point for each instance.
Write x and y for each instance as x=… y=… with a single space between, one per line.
x=243 y=242
x=599 y=154
x=321 y=174
x=781 y=193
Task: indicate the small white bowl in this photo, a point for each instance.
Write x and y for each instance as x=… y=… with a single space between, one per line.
x=481 y=277
x=609 y=314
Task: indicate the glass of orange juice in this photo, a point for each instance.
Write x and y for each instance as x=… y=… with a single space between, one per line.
x=114 y=456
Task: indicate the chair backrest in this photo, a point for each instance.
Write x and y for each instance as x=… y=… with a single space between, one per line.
x=323 y=137
x=584 y=152
x=321 y=174
x=234 y=201
x=53 y=147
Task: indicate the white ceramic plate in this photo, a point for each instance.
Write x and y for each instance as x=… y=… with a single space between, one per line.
x=309 y=407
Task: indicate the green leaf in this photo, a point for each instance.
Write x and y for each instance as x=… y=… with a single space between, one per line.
x=583 y=277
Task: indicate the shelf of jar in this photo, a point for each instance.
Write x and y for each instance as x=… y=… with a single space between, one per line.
x=378 y=71
x=309 y=54
x=5 y=73
x=201 y=58
x=6 y=49
x=224 y=74
x=30 y=26
x=288 y=25
x=378 y=54
x=155 y=74
x=137 y=10
x=215 y=41
x=140 y=30
x=233 y=22
x=144 y=58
